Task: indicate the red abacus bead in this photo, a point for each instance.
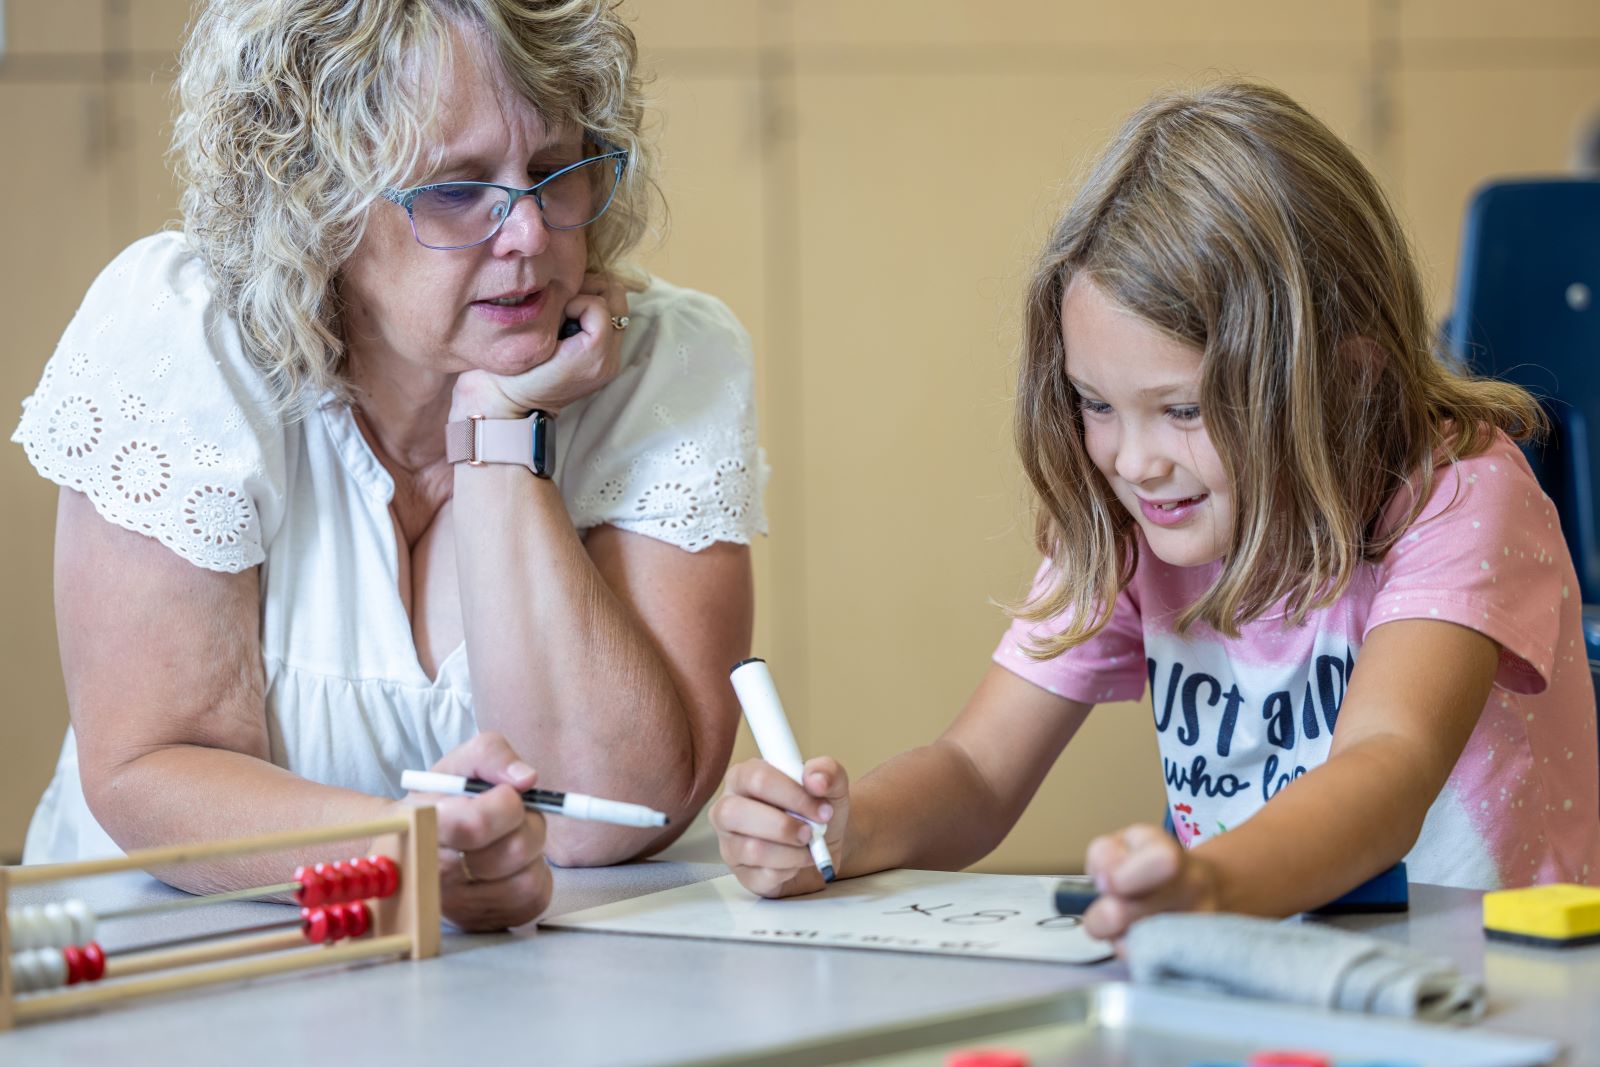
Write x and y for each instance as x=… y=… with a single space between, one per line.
x=302 y=874
x=314 y=924
x=336 y=923
x=332 y=882
x=390 y=872
x=357 y=919
x=316 y=887
x=94 y=962
x=344 y=885
x=365 y=879
x=72 y=955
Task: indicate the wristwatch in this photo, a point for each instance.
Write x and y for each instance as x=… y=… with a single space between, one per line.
x=530 y=442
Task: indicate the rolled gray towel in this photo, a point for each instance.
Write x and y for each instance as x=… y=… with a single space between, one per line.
x=1302 y=964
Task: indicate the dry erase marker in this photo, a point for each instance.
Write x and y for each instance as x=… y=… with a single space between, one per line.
x=572 y=805
x=1074 y=894
x=752 y=682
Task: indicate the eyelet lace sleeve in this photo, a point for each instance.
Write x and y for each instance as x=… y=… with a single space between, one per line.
x=151 y=409
x=668 y=449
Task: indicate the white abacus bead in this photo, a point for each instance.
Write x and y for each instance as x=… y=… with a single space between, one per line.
x=17 y=921
x=26 y=927
x=83 y=921
x=38 y=968
x=55 y=965
x=58 y=925
x=53 y=925
x=24 y=971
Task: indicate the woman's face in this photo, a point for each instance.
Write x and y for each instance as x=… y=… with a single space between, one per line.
x=413 y=312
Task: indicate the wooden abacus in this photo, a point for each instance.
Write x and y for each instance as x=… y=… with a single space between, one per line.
x=50 y=965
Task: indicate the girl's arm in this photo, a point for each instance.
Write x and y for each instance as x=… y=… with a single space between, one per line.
x=941 y=806
x=946 y=805
x=1415 y=696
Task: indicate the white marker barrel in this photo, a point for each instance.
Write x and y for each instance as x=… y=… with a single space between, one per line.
x=432 y=782
x=758 y=696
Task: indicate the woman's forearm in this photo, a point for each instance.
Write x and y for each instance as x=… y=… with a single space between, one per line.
x=562 y=668
x=187 y=793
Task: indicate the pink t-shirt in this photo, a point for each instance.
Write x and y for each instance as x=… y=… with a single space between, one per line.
x=1238 y=719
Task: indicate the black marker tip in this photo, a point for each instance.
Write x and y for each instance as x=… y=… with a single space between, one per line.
x=827 y=874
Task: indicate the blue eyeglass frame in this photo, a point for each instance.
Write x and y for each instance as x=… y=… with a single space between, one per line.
x=406 y=197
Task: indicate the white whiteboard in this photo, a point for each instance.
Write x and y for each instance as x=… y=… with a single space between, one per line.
x=1006 y=916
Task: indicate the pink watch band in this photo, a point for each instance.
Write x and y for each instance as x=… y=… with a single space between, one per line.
x=526 y=442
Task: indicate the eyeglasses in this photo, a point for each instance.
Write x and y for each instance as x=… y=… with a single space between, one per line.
x=452 y=215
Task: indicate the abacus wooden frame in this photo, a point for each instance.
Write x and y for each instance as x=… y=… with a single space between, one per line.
x=405 y=924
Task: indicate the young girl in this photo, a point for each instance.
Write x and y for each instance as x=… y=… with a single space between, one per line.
x=1261 y=493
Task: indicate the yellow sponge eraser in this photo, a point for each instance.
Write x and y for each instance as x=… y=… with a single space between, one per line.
x=1560 y=914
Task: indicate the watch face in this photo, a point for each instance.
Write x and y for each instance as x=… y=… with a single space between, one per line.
x=543 y=444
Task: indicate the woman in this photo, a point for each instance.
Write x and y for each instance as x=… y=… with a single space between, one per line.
x=401 y=218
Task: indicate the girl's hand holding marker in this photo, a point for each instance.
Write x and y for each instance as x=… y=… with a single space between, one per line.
x=780 y=823
x=1142 y=870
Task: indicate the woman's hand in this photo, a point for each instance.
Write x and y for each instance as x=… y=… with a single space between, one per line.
x=764 y=845
x=492 y=872
x=1140 y=871
x=581 y=365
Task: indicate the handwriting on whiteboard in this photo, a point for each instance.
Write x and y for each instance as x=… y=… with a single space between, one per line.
x=942 y=912
x=989 y=917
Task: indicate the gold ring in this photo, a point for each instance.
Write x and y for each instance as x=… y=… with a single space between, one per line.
x=466 y=871
x=620 y=322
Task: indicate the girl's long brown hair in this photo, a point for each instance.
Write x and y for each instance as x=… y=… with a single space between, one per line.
x=1237 y=223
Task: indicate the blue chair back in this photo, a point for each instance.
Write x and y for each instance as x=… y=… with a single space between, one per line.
x=1591 y=639
x=1527 y=310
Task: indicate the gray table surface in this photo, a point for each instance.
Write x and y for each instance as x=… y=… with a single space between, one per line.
x=576 y=998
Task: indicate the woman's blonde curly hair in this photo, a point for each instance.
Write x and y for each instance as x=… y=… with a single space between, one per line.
x=295 y=116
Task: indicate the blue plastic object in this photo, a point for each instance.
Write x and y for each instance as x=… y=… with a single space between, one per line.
x=1591 y=638
x=1385 y=892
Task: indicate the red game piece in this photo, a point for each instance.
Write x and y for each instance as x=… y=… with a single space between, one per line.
x=1286 y=1058
x=986 y=1057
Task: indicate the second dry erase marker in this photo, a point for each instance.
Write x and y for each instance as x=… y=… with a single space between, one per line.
x=572 y=805
x=752 y=682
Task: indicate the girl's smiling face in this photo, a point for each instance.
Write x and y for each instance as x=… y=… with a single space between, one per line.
x=1139 y=393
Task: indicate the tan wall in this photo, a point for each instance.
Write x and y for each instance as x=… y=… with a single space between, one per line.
x=863 y=182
